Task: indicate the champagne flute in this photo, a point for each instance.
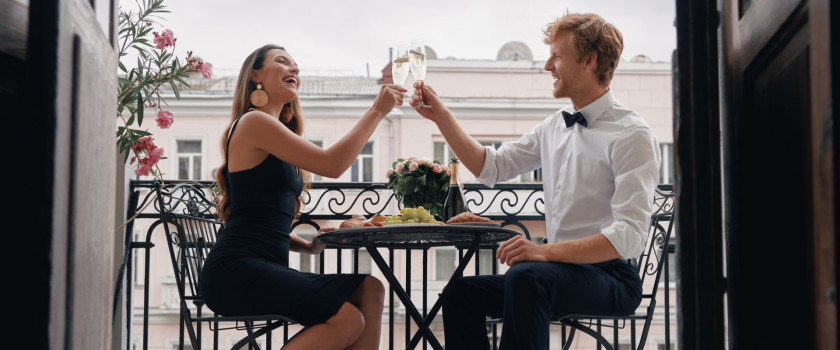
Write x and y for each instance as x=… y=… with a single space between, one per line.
x=418 y=63
x=399 y=70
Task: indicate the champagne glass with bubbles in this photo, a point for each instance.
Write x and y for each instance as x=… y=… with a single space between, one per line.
x=399 y=69
x=417 y=54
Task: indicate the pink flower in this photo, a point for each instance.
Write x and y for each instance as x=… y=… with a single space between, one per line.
x=143 y=170
x=154 y=156
x=437 y=168
x=413 y=166
x=448 y=173
x=390 y=173
x=206 y=69
x=167 y=38
x=164 y=119
x=412 y=159
x=399 y=168
x=144 y=143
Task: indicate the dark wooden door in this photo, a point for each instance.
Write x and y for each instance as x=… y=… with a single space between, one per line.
x=69 y=151
x=778 y=182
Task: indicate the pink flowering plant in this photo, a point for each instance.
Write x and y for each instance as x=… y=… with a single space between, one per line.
x=140 y=86
x=419 y=182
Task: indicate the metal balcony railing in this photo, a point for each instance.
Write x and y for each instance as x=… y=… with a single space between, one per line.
x=515 y=205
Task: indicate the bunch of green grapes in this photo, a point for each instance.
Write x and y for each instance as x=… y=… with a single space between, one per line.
x=417 y=215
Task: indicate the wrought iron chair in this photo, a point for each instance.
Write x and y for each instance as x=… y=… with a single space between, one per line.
x=649 y=264
x=191 y=227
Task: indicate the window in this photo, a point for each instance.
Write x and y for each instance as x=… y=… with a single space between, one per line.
x=316 y=177
x=666 y=167
x=188 y=155
x=446 y=260
x=443 y=153
x=362 y=168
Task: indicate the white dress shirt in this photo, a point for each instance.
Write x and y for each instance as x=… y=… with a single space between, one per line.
x=597 y=179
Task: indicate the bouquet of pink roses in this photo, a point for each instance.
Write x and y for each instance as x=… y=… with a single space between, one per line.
x=419 y=182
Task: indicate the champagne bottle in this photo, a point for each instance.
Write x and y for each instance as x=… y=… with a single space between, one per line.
x=454 y=203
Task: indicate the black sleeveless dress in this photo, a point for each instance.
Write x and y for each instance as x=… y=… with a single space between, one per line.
x=247 y=272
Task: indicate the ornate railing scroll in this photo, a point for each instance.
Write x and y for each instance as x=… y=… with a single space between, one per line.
x=661 y=228
x=188 y=198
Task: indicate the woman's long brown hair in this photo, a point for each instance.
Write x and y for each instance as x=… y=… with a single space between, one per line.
x=241 y=105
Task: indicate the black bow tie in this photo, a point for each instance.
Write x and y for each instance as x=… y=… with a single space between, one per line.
x=574 y=118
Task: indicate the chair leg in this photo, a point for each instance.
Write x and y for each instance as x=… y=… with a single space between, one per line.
x=645 y=330
x=249 y=327
x=590 y=332
x=186 y=323
x=569 y=339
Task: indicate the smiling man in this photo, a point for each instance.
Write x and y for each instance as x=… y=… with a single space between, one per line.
x=600 y=164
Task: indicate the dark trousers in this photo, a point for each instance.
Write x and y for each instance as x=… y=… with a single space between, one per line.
x=529 y=294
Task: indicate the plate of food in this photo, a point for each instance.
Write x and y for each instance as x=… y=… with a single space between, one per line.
x=470 y=218
x=360 y=221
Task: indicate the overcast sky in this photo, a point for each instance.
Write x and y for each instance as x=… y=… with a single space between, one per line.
x=350 y=37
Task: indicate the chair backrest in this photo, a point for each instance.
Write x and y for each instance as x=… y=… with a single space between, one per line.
x=655 y=255
x=189 y=218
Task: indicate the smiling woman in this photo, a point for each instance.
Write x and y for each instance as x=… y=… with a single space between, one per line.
x=265 y=169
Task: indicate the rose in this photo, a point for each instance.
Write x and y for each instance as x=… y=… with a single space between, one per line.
x=419 y=182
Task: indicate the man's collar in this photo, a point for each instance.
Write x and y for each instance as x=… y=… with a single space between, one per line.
x=596 y=108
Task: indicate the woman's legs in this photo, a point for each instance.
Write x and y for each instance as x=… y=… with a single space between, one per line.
x=369 y=298
x=356 y=325
x=338 y=332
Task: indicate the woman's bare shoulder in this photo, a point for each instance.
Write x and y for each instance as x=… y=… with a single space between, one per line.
x=258 y=117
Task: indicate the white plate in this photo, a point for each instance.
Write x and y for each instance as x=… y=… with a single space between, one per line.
x=486 y=224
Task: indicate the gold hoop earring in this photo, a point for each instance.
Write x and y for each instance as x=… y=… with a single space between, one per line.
x=259 y=97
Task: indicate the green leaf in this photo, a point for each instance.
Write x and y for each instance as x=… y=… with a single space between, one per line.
x=175 y=90
x=140 y=108
x=182 y=81
x=130 y=121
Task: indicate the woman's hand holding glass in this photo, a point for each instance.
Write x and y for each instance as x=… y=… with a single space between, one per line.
x=390 y=96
